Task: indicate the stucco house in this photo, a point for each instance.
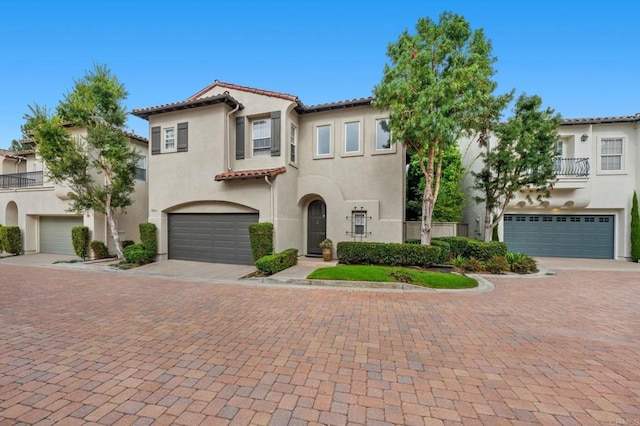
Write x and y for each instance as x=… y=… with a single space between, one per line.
x=589 y=212
x=39 y=207
x=232 y=155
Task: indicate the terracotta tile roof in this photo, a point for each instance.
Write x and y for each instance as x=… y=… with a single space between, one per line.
x=145 y=113
x=217 y=83
x=600 y=120
x=250 y=174
x=16 y=155
x=335 y=105
x=136 y=137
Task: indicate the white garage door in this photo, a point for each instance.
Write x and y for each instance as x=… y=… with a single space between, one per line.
x=55 y=234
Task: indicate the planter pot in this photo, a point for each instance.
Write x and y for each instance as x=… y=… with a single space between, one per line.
x=327 y=254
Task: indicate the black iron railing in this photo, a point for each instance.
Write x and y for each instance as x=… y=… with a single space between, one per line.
x=21 y=180
x=571 y=167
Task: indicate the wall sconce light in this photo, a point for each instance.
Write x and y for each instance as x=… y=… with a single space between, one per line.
x=584 y=137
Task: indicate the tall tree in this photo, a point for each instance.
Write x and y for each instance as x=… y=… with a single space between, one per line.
x=99 y=168
x=521 y=159
x=434 y=88
x=451 y=197
x=635 y=229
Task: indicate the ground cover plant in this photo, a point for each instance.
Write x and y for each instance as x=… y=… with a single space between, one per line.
x=376 y=273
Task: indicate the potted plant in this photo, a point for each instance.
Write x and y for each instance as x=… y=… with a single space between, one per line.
x=327 y=249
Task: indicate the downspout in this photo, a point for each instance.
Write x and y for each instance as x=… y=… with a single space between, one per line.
x=229 y=136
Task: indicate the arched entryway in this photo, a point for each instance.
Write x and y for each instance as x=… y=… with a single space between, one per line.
x=11 y=214
x=316 y=226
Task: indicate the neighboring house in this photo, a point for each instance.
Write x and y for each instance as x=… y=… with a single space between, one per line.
x=589 y=212
x=231 y=155
x=39 y=207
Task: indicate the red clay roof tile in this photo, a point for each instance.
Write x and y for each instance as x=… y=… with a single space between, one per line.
x=249 y=174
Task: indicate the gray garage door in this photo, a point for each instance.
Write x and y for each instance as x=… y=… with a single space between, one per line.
x=55 y=234
x=587 y=236
x=216 y=238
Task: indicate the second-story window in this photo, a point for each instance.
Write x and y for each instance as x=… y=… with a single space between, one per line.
x=293 y=143
x=169 y=139
x=611 y=154
x=352 y=137
x=261 y=137
x=324 y=140
x=141 y=169
x=383 y=135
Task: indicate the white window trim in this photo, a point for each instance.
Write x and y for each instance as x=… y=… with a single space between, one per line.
x=359 y=151
x=622 y=170
x=163 y=147
x=316 y=154
x=392 y=148
x=293 y=142
x=253 y=138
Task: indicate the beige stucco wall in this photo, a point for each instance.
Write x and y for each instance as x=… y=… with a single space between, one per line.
x=603 y=192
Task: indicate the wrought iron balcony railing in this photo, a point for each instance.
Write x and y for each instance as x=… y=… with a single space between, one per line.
x=20 y=180
x=571 y=167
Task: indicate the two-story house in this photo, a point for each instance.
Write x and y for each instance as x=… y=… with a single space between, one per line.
x=28 y=199
x=589 y=212
x=231 y=155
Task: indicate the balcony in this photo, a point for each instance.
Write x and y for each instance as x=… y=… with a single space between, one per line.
x=21 y=180
x=571 y=167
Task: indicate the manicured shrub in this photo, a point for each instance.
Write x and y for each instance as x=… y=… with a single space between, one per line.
x=1 y=239
x=520 y=263
x=149 y=240
x=135 y=254
x=127 y=243
x=457 y=245
x=273 y=263
x=392 y=254
x=474 y=265
x=261 y=237
x=635 y=229
x=497 y=265
x=11 y=239
x=99 y=250
x=484 y=251
x=80 y=240
x=445 y=250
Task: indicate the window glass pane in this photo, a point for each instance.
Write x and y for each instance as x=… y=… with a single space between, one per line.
x=261 y=135
x=383 y=135
x=324 y=140
x=352 y=137
x=293 y=143
x=169 y=138
x=611 y=151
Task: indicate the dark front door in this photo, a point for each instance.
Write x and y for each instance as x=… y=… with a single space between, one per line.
x=316 y=226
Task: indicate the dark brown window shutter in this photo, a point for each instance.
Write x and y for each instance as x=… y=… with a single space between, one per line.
x=183 y=137
x=239 y=138
x=155 y=140
x=275 y=134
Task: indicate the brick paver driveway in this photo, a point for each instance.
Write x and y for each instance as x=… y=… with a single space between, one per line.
x=112 y=348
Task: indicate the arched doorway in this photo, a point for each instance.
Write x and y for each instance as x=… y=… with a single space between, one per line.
x=316 y=226
x=11 y=214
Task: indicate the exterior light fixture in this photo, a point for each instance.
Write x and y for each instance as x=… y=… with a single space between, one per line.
x=584 y=137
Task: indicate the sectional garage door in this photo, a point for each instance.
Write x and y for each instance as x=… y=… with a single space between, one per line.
x=586 y=236
x=216 y=238
x=55 y=234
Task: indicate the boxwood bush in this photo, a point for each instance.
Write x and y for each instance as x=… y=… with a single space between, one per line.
x=457 y=245
x=99 y=250
x=149 y=240
x=11 y=239
x=273 y=263
x=261 y=237
x=80 y=240
x=445 y=250
x=392 y=254
x=135 y=254
x=484 y=251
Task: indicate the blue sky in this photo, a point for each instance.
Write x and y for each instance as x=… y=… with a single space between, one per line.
x=582 y=57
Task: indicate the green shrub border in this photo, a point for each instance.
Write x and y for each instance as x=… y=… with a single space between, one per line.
x=135 y=254
x=99 y=249
x=11 y=239
x=80 y=240
x=392 y=254
x=149 y=240
x=261 y=237
x=273 y=263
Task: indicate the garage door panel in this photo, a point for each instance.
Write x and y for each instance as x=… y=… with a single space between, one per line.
x=55 y=234
x=584 y=236
x=217 y=238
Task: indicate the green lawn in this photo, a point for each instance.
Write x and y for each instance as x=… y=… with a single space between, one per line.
x=393 y=275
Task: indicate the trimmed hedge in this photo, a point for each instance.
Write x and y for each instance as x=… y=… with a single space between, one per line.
x=11 y=239
x=261 y=237
x=273 y=263
x=458 y=245
x=485 y=251
x=392 y=254
x=135 y=254
x=445 y=250
x=127 y=243
x=1 y=239
x=100 y=251
x=80 y=240
x=149 y=240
